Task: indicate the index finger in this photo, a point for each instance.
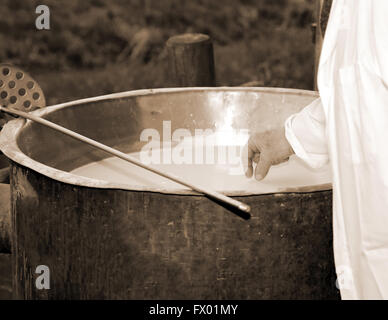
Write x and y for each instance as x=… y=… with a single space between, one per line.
x=248 y=153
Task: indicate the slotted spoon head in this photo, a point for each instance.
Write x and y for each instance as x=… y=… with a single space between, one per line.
x=19 y=91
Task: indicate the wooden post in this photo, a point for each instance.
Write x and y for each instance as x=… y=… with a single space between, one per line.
x=322 y=11
x=318 y=40
x=191 y=60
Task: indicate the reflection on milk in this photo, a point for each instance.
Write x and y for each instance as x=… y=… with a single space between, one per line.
x=207 y=158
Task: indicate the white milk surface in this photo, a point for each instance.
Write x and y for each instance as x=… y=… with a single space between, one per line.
x=220 y=177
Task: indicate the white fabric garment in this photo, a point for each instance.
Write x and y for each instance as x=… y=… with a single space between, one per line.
x=349 y=126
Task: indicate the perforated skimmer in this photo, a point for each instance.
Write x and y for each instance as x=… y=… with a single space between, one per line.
x=19 y=90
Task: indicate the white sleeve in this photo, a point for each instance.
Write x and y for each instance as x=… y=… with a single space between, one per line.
x=306 y=133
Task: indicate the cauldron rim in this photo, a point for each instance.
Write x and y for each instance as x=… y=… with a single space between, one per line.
x=11 y=131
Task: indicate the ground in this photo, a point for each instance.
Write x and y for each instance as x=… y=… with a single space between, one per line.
x=98 y=46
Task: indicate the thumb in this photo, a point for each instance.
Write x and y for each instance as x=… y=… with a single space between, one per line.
x=262 y=166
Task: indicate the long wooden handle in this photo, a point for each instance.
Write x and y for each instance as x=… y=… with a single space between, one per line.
x=210 y=193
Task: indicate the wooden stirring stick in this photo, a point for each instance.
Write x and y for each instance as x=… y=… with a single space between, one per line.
x=210 y=193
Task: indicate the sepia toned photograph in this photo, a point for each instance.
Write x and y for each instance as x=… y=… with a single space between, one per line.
x=193 y=154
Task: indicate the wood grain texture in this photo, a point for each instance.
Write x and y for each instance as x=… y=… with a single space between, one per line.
x=191 y=60
x=5 y=277
x=5 y=219
x=4 y=169
x=120 y=244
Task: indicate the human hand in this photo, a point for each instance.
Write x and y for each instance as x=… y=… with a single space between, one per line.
x=266 y=149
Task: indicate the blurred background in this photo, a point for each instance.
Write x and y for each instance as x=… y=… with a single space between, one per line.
x=97 y=47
